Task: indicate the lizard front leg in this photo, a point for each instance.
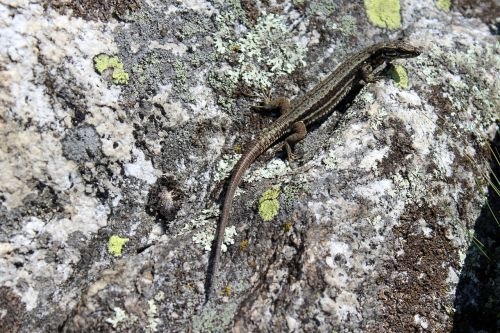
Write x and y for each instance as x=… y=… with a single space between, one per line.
x=281 y=104
x=299 y=132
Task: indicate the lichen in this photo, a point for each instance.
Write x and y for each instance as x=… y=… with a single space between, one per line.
x=467 y=86
x=330 y=161
x=115 y=245
x=294 y=189
x=206 y=224
x=272 y=170
x=261 y=55
x=348 y=25
x=214 y=319
x=225 y=166
x=399 y=74
x=102 y=62
x=269 y=204
x=444 y=5
x=384 y=13
x=180 y=75
x=153 y=320
x=321 y=7
x=121 y=317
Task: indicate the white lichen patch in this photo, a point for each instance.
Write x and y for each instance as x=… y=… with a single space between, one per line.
x=375 y=190
x=206 y=237
x=205 y=226
x=273 y=169
x=121 y=317
x=421 y=321
x=141 y=168
x=370 y=161
x=225 y=166
x=330 y=161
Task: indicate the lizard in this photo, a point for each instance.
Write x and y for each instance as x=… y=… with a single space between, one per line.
x=318 y=103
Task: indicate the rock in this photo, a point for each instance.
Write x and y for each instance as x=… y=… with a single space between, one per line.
x=120 y=120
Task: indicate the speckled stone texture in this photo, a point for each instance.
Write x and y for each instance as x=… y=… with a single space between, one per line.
x=383 y=215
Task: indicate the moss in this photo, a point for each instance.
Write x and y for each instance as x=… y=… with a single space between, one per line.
x=444 y=5
x=238 y=149
x=288 y=226
x=384 y=13
x=102 y=62
x=227 y=291
x=398 y=73
x=115 y=245
x=269 y=204
x=244 y=245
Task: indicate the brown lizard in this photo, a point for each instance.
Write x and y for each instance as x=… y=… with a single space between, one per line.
x=358 y=70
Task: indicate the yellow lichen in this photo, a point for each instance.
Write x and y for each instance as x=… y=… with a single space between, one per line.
x=444 y=5
x=384 y=13
x=103 y=61
x=115 y=245
x=269 y=204
x=399 y=74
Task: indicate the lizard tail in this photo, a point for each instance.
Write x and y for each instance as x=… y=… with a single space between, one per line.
x=256 y=148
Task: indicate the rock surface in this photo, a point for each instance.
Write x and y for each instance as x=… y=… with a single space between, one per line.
x=120 y=121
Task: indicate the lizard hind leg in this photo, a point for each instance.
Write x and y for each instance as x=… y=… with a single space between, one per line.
x=299 y=132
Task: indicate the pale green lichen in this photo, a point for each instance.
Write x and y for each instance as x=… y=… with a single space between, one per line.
x=269 y=204
x=152 y=313
x=205 y=238
x=321 y=7
x=348 y=25
x=444 y=5
x=225 y=166
x=384 y=13
x=103 y=62
x=468 y=83
x=121 y=317
x=261 y=55
x=214 y=319
x=180 y=73
x=294 y=189
x=206 y=224
x=330 y=161
x=115 y=245
x=399 y=74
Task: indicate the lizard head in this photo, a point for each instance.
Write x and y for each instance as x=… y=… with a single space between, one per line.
x=399 y=49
